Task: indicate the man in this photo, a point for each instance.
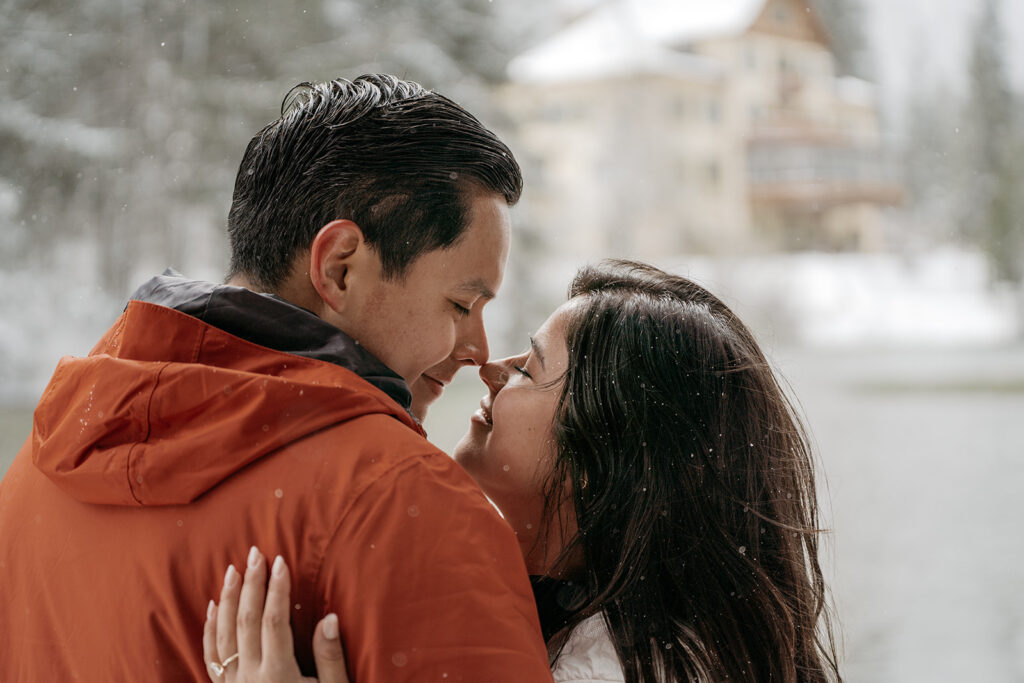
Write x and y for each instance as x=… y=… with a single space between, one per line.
x=369 y=227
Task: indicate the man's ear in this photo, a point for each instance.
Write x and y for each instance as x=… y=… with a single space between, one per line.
x=339 y=254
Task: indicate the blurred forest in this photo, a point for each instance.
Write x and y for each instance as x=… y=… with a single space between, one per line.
x=124 y=121
x=964 y=154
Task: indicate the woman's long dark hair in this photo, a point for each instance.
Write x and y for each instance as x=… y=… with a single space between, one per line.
x=693 y=487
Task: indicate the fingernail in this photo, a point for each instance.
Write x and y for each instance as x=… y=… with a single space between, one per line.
x=230 y=576
x=209 y=610
x=278 y=568
x=331 y=627
x=254 y=557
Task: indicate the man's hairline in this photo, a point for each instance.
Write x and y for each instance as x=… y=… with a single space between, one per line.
x=469 y=190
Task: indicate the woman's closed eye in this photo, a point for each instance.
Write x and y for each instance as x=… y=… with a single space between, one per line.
x=521 y=369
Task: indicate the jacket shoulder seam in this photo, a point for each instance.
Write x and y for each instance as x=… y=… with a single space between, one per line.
x=145 y=436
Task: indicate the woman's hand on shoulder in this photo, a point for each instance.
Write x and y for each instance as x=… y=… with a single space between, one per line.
x=248 y=636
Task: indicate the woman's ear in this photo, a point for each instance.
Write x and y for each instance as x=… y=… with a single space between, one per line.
x=337 y=256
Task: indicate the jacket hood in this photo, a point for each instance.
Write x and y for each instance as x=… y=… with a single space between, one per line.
x=167 y=406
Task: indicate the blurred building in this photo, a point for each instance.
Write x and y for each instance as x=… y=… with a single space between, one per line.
x=697 y=126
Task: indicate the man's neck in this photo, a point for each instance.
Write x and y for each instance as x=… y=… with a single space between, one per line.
x=296 y=289
x=242 y=281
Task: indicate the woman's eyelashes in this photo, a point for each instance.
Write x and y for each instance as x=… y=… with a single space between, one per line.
x=461 y=310
x=521 y=369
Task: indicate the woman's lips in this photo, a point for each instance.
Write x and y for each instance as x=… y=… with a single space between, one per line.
x=483 y=414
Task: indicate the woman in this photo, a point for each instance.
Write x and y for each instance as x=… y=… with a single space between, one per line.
x=661 y=487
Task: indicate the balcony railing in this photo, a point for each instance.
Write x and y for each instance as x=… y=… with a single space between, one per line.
x=788 y=173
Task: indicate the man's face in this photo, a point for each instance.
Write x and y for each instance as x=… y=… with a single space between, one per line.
x=429 y=324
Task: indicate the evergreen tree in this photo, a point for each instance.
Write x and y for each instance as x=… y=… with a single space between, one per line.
x=933 y=152
x=844 y=21
x=996 y=210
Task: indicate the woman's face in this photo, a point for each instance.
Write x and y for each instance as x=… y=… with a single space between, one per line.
x=510 y=447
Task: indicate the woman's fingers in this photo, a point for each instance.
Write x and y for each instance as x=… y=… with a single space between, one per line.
x=250 y=610
x=226 y=614
x=278 y=646
x=251 y=630
x=210 y=641
x=328 y=653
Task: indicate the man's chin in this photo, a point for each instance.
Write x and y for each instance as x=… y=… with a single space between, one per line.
x=422 y=398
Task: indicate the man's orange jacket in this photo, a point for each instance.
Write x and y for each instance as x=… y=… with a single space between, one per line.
x=176 y=445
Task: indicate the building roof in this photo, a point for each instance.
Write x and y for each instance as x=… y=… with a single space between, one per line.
x=682 y=21
x=628 y=36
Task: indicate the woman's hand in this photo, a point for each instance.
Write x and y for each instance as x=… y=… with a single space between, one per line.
x=247 y=639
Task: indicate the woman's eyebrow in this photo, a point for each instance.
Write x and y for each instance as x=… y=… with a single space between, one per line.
x=536 y=350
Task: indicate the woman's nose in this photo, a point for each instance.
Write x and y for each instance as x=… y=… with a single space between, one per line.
x=494 y=375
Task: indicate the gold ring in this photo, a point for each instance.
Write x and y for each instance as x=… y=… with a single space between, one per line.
x=218 y=669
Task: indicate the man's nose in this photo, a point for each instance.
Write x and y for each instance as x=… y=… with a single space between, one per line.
x=471 y=347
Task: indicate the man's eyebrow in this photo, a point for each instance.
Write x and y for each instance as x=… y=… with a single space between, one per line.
x=477 y=286
x=536 y=349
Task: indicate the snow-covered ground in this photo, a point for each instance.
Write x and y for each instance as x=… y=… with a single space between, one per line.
x=936 y=299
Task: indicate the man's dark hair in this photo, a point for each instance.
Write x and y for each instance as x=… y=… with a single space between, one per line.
x=400 y=161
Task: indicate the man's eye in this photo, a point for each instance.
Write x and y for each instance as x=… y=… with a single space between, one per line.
x=522 y=370
x=461 y=310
